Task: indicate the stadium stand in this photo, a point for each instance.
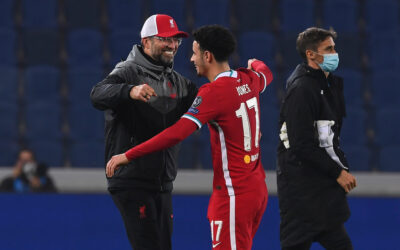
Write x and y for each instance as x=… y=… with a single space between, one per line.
x=83 y=14
x=8 y=85
x=7 y=47
x=297 y=15
x=125 y=15
x=7 y=13
x=349 y=15
x=218 y=14
x=265 y=20
x=382 y=15
x=53 y=52
x=41 y=46
x=85 y=48
x=39 y=14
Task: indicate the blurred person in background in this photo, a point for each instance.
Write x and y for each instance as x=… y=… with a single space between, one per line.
x=142 y=96
x=229 y=104
x=313 y=174
x=28 y=176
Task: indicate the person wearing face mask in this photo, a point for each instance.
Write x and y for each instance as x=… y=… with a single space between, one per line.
x=28 y=176
x=142 y=96
x=312 y=172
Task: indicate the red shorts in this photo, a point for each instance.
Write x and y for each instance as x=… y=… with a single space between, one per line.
x=234 y=220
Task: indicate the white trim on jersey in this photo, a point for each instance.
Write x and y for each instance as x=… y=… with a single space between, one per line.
x=265 y=82
x=265 y=79
x=229 y=186
x=193 y=119
x=230 y=73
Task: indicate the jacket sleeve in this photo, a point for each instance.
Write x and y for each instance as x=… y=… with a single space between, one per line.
x=112 y=91
x=301 y=113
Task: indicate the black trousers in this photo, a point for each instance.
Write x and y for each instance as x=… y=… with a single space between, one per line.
x=147 y=216
x=334 y=239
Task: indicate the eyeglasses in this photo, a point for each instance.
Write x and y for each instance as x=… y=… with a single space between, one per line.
x=169 y=39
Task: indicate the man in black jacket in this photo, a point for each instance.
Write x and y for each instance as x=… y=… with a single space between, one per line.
x=312 y=172
x=141 y=97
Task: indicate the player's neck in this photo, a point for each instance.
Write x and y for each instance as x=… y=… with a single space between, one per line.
x=217 y=69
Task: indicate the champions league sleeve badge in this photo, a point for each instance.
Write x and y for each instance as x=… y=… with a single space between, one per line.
x=193 y=109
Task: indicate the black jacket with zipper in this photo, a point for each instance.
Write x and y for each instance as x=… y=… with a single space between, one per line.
x=129 y=122
x=309 y=156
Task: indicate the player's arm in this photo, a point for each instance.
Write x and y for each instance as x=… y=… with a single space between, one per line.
x=167 y=138
x=262 y=70
x=118 y=88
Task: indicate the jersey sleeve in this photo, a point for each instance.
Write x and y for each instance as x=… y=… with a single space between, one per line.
x=165 y=139
x=263 y=73
x=204 y=107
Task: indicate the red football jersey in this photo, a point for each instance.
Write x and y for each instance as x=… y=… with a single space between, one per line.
x=230 y=106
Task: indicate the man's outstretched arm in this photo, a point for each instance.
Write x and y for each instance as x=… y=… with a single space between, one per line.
x=167 y=138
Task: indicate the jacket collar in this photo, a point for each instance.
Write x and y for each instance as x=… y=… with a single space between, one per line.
x=137 y=55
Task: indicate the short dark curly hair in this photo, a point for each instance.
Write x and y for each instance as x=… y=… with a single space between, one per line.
x=216 y=39
x=311 y=38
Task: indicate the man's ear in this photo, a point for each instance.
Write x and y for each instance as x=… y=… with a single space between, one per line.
x=208 y=56
x=145 y=42
x=310 y=54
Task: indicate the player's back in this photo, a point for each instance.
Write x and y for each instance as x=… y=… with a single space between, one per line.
x=235 y=132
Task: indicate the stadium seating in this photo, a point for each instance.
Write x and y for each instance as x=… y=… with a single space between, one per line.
x=357 y=157
x=85 y=124
x=39 y=13
x=42 y=46
x=87 y=154
x=8 y=85
x=381 y=56
x=218 y=14
x=43 y=121
x=250 y=18
x=42 y=83
x=385 y=89
x=48 y=151
x=388 y=159
x=287 y=47
x=297 y=15
x=125 y=15
x=260 y=45
x=352 y=87
x=83 y=14
x=85 y=48
x=387 y=123
x=347 y=21
x=349 y=47
x=62 y=48
x=9 y=121
x=382 y=15
x=121 y=43
x=269 y=118
x=353 y=129
x=174 y=8
x=7 y=47
x=268 y=155
x=81 y=82
x=7 y=13
x=8 y=152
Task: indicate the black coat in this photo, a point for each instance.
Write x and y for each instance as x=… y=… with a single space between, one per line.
x=130 y=122
x=310 y=199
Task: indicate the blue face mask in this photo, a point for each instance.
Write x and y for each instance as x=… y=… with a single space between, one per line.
x=330 y=63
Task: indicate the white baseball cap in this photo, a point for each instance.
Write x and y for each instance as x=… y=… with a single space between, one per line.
x=161 y=25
